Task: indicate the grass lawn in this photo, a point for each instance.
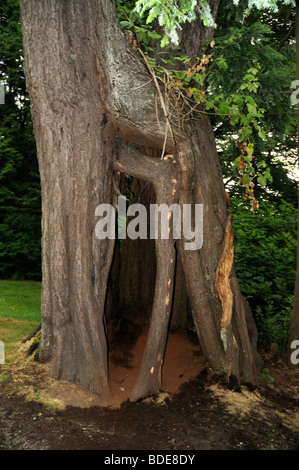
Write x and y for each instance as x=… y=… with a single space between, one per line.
x=19 y=311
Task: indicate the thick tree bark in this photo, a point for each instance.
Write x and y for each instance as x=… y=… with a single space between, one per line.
x=93 y=101
x=74 y=140
x=221 y=323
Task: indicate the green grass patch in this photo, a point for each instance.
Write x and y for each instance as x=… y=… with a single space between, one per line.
x=20 y=311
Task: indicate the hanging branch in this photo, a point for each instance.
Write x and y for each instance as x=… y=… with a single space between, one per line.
x=168 y=125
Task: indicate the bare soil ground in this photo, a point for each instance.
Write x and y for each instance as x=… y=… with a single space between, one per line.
x=195 y=411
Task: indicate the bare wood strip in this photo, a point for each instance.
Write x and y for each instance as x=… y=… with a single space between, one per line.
x=223 y=274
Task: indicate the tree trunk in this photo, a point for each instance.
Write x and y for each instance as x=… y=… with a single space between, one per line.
x=75 y=141
x=93 y=104
x=217 y=306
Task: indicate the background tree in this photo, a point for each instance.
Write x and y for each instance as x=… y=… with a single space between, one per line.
x=294 y=325
x=20 y=187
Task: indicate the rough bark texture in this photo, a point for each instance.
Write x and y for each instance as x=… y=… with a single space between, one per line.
x=227 y=349
x=74 y=140
x=93 y=102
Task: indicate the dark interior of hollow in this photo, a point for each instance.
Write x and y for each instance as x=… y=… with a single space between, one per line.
x=131 y=285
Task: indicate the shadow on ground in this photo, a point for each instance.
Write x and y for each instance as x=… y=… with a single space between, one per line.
x=201 y=415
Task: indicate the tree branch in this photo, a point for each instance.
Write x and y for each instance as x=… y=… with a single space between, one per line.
x=287 y=37
x=163 y=174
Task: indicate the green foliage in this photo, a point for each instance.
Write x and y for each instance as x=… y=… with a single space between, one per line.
x=266 y=4
x=253 y=52
x=171 y=14
x=274 y=326
x=265 y=257
x=241 y=79
x=20 y=211
x=244 y=114
x=131 y=21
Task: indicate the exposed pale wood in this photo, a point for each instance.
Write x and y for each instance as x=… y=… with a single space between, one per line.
x=223 y=275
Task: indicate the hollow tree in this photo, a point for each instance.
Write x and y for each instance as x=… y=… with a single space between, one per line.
x=94 y=105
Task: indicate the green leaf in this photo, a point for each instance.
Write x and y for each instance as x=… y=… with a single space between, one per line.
x=154 y=35
x=164 y=41
x=262 y=134
x=249 y=77
x=251 y=108
x=223 y=108
x=262 y=179
x=126 y=24
x=249 y=99
x=222 y=64
x=233 y=121
x=239 y=101
x=246 y=179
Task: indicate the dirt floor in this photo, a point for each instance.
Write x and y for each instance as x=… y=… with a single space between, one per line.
x=195 y=411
